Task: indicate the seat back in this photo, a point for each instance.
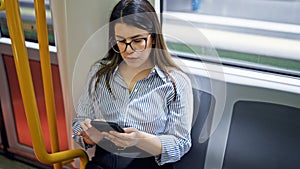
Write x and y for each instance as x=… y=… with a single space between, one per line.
x=202 y=117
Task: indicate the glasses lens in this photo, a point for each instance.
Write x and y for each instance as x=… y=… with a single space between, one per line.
x=122 y=46
x=139 y=45
x=114 y=46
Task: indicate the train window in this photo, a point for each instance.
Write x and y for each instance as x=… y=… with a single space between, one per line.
x=261 y=35
x=28 y=18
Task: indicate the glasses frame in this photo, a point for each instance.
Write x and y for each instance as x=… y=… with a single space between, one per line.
x=128 y=44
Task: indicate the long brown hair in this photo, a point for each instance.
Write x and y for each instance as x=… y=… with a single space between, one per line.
x=140 y=14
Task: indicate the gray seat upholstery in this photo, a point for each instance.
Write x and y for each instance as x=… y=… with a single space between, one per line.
x=203 y=111
x=264 y=135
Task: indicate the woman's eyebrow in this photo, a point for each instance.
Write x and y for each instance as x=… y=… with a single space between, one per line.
x=131 y=37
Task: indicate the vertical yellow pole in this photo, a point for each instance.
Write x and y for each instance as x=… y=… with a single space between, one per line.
x=40 y=13
x=23 y=71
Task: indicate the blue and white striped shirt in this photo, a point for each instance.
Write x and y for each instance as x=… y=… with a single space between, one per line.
x=150 y=107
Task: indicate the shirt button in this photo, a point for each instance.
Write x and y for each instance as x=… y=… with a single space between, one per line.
x=135 y=90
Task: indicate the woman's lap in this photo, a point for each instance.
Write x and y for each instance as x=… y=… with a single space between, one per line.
x=107 y=160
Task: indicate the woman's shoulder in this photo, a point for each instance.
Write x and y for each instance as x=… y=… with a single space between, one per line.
x=95 y=67
x=180 y=78
x=179 y=75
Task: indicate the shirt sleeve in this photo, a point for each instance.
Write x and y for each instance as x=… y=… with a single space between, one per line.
x=177 y=138
x=85 y=109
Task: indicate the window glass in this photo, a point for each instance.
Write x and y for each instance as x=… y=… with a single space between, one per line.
x=28 y=18
x=260 y=34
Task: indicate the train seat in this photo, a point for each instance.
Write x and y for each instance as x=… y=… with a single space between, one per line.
x=203 y=112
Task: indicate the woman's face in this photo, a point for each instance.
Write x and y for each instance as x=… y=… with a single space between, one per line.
x=138 y=54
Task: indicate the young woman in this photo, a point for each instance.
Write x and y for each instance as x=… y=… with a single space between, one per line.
x=139 y=87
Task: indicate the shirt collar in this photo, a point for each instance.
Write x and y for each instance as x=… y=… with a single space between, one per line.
x=155 y=70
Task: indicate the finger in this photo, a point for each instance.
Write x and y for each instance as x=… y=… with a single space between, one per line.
x=117 y=141
x=100 y=120
x=84 y=126
x=129 y=129
x=105 y=135
x=88 y=123
x=88 y=141
x=86 y=137
x=80 y=133
x=129 y=134
x=122 y=136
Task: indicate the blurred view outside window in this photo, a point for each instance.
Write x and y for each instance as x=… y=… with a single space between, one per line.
x=259 y=34
x=28 y=18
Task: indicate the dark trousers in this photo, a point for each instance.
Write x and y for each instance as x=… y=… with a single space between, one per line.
x=106 y=160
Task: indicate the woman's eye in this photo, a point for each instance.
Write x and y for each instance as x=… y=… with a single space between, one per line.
x=138 y=40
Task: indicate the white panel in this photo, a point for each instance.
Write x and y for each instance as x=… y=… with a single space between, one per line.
x=75 y=21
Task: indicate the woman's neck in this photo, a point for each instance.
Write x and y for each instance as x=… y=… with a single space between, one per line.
x=132 y=75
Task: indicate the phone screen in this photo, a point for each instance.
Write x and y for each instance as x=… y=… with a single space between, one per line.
x=107 y=126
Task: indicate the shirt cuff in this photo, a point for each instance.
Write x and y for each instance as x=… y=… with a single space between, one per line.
x=170 y=151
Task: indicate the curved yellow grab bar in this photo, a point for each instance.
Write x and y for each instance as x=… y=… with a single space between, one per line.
x=25 y=80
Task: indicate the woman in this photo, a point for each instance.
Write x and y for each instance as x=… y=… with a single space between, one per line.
x=138 y=86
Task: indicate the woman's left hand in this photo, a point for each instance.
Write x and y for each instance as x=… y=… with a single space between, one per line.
x=130 y=137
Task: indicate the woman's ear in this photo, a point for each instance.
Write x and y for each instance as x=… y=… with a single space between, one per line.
x=153 y=38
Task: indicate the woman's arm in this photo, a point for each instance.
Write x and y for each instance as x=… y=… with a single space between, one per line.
x=176 y=140
x=85 y=110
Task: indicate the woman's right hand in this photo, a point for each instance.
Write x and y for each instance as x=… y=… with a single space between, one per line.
x=90 y=134
x=86 y=138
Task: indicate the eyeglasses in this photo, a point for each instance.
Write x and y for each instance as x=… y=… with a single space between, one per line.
x=137 y=45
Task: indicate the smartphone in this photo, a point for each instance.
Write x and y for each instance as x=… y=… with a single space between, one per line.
x=107 y=126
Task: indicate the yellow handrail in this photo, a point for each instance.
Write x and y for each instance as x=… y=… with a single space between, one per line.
x=42 y=31
x=26 y=86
